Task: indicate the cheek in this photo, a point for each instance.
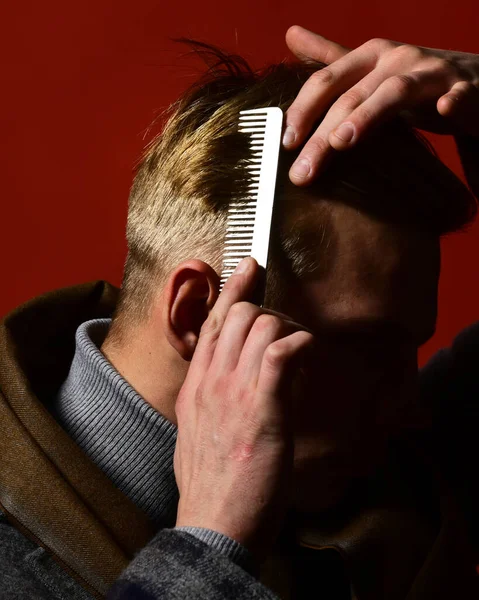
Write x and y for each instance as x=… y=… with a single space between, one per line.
x=360 y=392
x=332 y=400
x=401 y=406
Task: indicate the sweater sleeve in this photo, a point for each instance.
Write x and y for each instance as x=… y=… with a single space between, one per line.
x=177 y=565
x=225 y=545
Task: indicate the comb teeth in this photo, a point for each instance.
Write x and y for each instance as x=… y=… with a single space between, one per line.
x=249 y=217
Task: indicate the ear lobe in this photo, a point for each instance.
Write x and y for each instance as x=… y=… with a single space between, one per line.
x=190 y=294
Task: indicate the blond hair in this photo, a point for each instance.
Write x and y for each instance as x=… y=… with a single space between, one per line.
x=178 y=202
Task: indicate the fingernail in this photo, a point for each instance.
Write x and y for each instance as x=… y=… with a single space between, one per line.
x=242 y=266
x=345 y=132
x=301 y=168
x=289 y=136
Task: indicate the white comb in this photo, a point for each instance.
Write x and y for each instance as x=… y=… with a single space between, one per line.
x=248 y=223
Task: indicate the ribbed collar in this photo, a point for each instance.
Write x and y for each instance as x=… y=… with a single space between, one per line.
x=127 y=438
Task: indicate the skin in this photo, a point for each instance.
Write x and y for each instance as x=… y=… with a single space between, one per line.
x=351 y=393
x=370 y=311
x=436 y=90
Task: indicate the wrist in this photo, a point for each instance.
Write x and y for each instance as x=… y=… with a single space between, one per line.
x=224 y=545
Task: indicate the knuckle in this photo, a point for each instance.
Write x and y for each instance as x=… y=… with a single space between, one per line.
x=240 y=310
x=201 y=394
x=363 y=115
x=408 y=52
x=216 y=396
x=322 y=77
x=317 y=146
x=211 y=327
x=379 y=45
x=267 y=322
x=402 y=85
x=467 y=87
x=245 y=393
x=242 y=314
x=350 y=100
x=442 y=65
x=275 y=354
x=296 y=112
x=462 y=71
x=377 y=41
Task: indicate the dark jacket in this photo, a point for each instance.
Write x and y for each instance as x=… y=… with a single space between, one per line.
x=406 y=533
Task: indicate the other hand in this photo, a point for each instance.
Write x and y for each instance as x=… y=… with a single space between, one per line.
x=436 y=90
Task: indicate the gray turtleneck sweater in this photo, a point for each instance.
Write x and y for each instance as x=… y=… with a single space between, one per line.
x=126 y=437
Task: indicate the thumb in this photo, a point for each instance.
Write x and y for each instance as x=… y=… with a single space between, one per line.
x=312 y=47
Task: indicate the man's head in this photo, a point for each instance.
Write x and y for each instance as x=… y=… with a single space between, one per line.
x=355 y=256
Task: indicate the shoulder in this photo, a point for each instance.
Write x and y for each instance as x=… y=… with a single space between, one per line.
x=454 y=371
x=450 y=387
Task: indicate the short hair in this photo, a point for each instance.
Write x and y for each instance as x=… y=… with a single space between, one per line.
x=184 y=182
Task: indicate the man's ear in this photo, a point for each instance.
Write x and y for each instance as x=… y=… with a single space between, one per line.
x=190 y=293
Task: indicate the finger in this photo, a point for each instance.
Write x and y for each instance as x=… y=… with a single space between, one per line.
x=276 y=374
x=234 y=333
x=366 y=80
x=375 y=99
x=320 y=90
x=265 y=330
x=395 y=94
x=237 y=288
x=461 y=106
x=449 y=103
x=312 y=47
x=236 y=330
x=286 y=318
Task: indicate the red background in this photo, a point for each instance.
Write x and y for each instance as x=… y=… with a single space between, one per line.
x=83 y=80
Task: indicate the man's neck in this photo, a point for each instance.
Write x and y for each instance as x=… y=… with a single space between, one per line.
x=151 y=366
